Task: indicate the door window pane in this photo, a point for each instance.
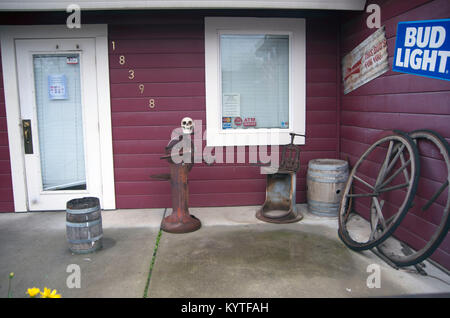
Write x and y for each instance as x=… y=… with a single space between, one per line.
x=60 y=121
x=255 y=81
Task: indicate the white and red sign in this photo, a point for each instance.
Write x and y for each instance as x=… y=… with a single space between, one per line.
x=250 y=122
x=366 y=61
x=238 y=121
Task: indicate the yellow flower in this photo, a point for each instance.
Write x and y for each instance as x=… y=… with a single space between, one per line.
x=33 y=291
x=48 y=293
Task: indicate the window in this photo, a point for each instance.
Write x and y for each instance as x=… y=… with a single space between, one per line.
x=255 y=80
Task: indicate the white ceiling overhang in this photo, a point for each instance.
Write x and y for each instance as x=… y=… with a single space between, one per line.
x=51 y=5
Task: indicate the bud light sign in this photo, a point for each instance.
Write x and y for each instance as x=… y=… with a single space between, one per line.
x=422 y=48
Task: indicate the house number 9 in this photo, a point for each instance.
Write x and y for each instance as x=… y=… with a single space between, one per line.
x=141 y=88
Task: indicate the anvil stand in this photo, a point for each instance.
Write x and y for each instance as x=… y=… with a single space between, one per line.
x=180 y=220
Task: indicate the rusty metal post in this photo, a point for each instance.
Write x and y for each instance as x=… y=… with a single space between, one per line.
x=180 y=220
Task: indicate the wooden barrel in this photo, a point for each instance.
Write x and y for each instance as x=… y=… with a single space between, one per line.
x=84 y=225
x=325 y=181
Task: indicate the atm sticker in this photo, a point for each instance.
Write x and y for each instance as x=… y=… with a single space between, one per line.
x=250 y=122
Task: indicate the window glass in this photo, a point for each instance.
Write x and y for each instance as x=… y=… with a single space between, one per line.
x=60 y=122
x=255 y=81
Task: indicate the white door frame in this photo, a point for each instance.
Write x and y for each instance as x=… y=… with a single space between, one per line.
x=8 y=35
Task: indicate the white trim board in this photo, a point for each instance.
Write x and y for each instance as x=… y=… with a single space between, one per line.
x=36 y=5
x=8 y=35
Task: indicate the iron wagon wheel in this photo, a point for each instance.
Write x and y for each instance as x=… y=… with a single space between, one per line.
x=401 y=254
x=379 y=191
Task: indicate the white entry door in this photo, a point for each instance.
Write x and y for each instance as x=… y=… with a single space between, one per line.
x=59 y=115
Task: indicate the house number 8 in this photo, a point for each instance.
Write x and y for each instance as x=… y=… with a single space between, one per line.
x=151 y=103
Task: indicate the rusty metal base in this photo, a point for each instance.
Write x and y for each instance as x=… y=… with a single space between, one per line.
x=279 y=206
x=289 y=217
x=187 y=223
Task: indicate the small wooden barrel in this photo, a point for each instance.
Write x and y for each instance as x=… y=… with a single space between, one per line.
x=325 y=181
x=84 y=225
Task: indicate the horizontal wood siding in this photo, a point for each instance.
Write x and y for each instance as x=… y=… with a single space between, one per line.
x=399 y=101
x=6 y=193
x=168 y=59
x=165 y=50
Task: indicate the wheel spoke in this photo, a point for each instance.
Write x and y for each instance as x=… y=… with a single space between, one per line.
x=377 y=217
x=358 y=195
x=394 y=160
x=388 y=221
x=395 y=174
x=364 y=182
x=405 y=172
x=380 y=214
x=374 y=229
x=385 y=165
x=404 y=185
x=434 y=197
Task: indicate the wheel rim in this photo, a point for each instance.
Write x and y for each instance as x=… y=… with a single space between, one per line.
x=375 y=199
x=402 y=254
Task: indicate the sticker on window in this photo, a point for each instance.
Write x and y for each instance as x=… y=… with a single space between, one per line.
x=231 y=105
x=72 y=60
x=226 y=122
x=250 y=122
x=57 y=87
x=284 y=124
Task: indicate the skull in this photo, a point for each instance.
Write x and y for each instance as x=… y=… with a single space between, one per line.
x=188 y=125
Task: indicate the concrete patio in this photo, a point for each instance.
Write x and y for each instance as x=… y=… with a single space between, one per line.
x=232 y=255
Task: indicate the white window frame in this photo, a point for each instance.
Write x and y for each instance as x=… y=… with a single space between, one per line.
x=8 y=35
x=295 y=28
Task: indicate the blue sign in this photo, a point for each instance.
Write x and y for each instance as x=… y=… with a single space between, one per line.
x=423 y=48
x=57 y=87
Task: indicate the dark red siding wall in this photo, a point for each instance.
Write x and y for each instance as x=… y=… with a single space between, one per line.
x=399 y=101
x=166 y=54
x=6 y=196
x=167 y=57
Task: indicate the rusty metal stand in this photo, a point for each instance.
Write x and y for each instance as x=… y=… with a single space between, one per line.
x=280 y=206
x=180 y=220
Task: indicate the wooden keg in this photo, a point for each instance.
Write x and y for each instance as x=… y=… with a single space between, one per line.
x=84 y=225
x=325 y=181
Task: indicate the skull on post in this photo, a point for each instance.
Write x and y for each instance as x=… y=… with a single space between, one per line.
x=187 y=124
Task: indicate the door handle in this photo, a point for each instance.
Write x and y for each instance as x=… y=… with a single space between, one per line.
x=27 y=136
